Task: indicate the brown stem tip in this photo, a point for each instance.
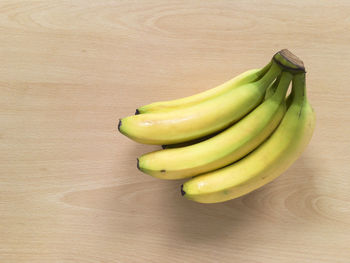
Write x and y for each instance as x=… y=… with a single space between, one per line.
x=289 y=61
x=292 y=58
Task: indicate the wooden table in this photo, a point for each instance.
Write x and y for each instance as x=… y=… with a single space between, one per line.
x=69 y=187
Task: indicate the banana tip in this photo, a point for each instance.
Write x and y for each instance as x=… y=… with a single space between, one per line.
x=137 y=112
x=119 y=125
x=182 y=190
x=138 y=164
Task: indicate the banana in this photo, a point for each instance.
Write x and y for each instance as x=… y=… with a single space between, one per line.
x=284 y=57
x=264 y=164
x=224 y=148
x=244 y=78
x=269 y=92
x=189 y=123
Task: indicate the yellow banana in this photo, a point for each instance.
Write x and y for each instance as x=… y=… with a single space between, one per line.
x=269 y=92
x=284 y=57
x=264 y=164
x=244 y=78
x=207 y=117
x=224 y=148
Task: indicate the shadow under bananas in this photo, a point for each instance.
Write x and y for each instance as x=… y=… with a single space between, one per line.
x=288 y=198
x=275 y=203
x=150 y=211
x=174 y=219
x=194 y=222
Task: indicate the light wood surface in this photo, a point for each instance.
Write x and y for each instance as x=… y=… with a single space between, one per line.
x=69 y=187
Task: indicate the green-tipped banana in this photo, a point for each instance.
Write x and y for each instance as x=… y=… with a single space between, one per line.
x=244 y=78
x=264 y=164
x=189 y=123
x=224 y=148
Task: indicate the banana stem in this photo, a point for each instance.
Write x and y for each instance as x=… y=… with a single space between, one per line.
x=283 y=85
x=270 y=75
x=263 y=70
x=276 y=83
x=299 y=87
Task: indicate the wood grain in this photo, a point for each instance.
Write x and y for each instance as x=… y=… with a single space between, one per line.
x=69 y=187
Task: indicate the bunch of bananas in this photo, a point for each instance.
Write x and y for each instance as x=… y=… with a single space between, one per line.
x=231 y=139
